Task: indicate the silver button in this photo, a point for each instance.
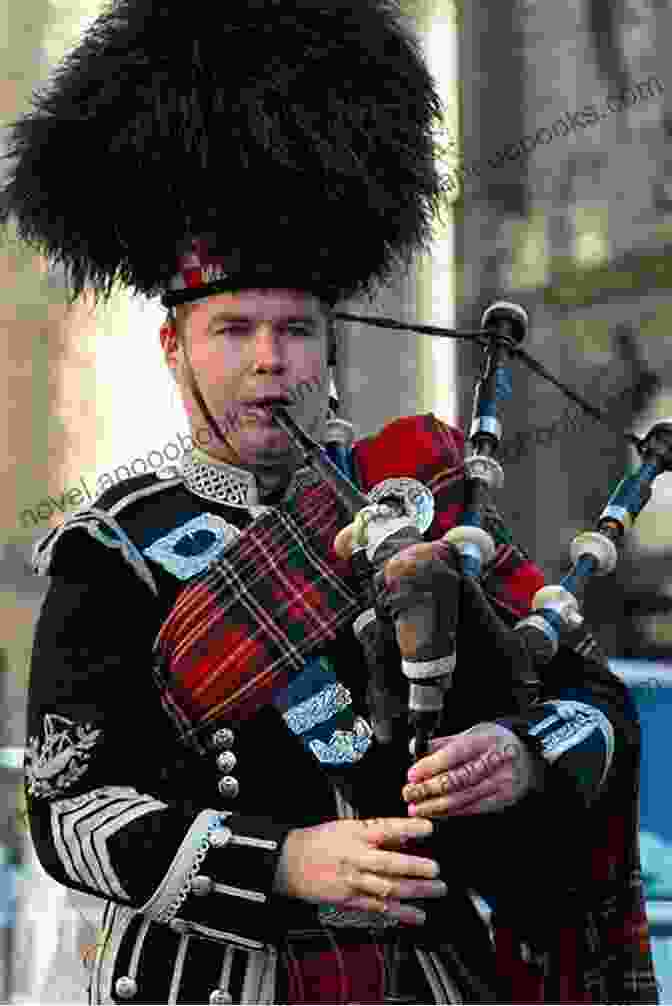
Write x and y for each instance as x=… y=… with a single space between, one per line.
x=168 y=472
x=222 y=738
x=202 y=885
x=125 y=987
x=219 y=997
x=220 y=837
x=229 y=787
x=226 y=761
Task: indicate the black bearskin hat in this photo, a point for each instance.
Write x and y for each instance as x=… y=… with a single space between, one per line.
x=296 y=135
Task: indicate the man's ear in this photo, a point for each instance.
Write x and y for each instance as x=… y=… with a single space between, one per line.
x=170 y=344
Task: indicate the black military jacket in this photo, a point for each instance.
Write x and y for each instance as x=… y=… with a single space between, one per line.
x=121 y=808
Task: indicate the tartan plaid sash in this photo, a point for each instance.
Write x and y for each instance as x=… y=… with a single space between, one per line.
x=241 y=632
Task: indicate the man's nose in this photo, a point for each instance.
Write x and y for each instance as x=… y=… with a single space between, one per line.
x=268 y=350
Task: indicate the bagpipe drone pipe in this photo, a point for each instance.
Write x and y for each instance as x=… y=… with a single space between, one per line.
x=413 y=586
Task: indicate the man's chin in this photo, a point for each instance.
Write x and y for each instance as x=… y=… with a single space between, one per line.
x=266 y=448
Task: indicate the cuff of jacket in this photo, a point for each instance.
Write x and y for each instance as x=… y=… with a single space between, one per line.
x=222 y=876
x=577 y=750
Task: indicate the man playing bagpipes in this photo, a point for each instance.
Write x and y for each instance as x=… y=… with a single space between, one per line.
x=207 y=751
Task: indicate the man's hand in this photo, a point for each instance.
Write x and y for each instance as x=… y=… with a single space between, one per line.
x=486 y=768
x=348 y=864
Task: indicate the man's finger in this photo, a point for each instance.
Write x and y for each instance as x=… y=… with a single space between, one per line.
x=457 y=751
x=398 y=890
x=459 y=779
x=395 y=831
x=420 y=889
x=464 y=802
x=394 y=864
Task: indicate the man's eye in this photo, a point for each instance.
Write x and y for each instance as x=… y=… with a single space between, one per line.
x=231 y=330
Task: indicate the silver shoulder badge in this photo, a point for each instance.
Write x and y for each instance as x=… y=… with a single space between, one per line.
x=190 y=548
x=416 y=498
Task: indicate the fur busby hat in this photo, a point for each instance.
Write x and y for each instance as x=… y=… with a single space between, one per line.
x=186 y=150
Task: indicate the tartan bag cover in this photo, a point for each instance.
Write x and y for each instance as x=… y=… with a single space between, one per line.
x=601 y=952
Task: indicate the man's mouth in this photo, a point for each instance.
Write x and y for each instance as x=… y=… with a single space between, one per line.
x=262 y=408
x=268 y=402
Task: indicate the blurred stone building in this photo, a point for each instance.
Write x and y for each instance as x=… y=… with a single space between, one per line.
x=566 y=207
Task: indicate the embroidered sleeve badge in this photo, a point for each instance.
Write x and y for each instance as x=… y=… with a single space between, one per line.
x=60 y=759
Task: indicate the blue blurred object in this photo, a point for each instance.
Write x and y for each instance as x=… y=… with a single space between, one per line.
x=650 y=684
x=11 y=759
x=656 y=857
x=11 y=765
x=8 y=879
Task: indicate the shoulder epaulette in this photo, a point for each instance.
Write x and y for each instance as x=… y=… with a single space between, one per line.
x=100 y=521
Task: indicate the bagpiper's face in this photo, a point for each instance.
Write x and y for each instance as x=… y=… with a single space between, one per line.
x=251 y=348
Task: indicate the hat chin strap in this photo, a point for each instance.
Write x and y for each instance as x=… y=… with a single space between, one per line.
x=200 y=401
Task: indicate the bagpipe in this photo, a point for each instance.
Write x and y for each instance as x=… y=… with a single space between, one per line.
x=412 y=585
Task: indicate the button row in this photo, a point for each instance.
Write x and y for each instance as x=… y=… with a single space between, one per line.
x=222 y=741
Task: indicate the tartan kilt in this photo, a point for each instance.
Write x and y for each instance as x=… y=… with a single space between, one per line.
x=326 y=965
